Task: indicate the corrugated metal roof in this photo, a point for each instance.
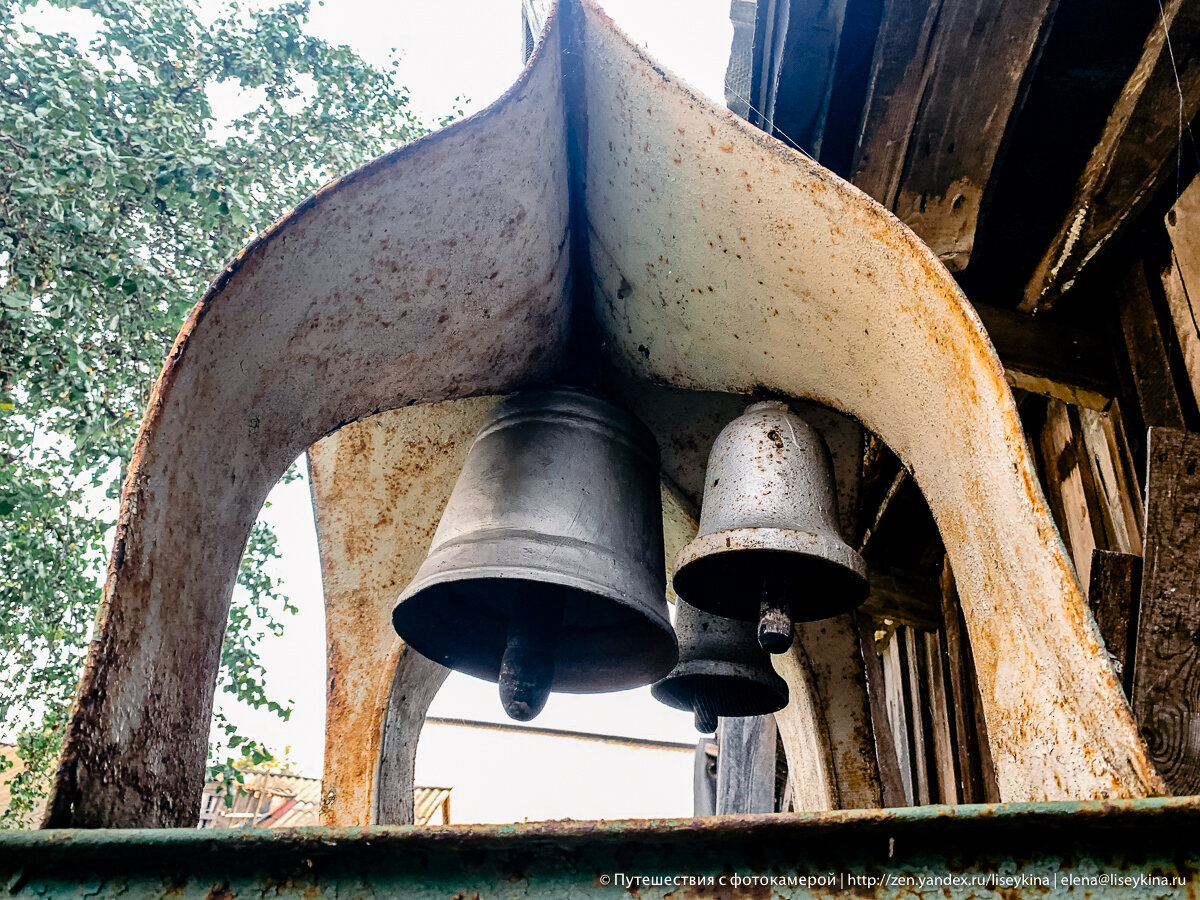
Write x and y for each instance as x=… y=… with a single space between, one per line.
x=274 y=800
x=9 y=754
x=431 y=806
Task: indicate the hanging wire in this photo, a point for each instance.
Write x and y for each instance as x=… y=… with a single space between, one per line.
x=770 y=126
x=1162 y=14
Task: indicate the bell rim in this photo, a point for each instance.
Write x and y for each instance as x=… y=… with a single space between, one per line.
x=657 y=647
x=708 y=551
x=770 y=694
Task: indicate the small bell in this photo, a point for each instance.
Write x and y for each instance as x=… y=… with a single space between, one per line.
x=546 y=571
x=722 y=671
x=768 y=547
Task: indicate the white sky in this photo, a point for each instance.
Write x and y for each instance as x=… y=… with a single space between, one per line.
x=467 y=48
x=510 y=776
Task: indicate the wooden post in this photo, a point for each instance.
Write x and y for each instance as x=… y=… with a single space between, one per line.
x=939 y=720
x=976 y=769
x=892 y=785
x=1166 y=678
x=746 y=765
x=918 y=717
x=897 y=711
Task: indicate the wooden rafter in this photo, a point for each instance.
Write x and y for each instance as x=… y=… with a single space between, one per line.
x=1136 y=149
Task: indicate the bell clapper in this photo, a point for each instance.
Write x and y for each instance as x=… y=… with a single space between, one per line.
x=527 y=667
x=706 y=722
x=774 y=618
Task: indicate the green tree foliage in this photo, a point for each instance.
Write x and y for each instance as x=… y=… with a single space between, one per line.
x=121 y=195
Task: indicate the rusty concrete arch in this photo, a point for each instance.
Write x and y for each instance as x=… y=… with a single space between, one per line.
x=436 y=271
x=721 y=260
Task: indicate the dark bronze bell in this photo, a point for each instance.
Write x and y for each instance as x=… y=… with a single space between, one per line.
x=722 y=671
x=768 y=548
x=546 y=571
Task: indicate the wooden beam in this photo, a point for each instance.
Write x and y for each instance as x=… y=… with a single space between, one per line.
x=899 y=78
x=1166 y=676
x=1148 y=361
x=947 y=80
x=903 y=597
x=1052 y=359
x=1112 y=594
x=1137 y=147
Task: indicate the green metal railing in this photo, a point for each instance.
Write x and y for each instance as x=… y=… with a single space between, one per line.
x=1126 y=849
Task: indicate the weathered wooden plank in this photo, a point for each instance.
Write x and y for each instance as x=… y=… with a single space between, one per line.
x=1183 y=316
x=881 y=726
x=939 y=716
x=1063 y=476
x=899 y=78
x=1112 y=593
x=1181 y=279
x=746 y=765
x=977 y=772
x=918 y=717
x=1060 y=361
x=1112 y=472
x=1148 y=360
x=1103 y=530
x=939 y=139
x=1136 y=150
x=1166 y=677
x=897 y=710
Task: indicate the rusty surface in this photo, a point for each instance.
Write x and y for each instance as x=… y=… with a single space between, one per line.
x=378 y=489
x=1143 y=849
x=436 y=271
